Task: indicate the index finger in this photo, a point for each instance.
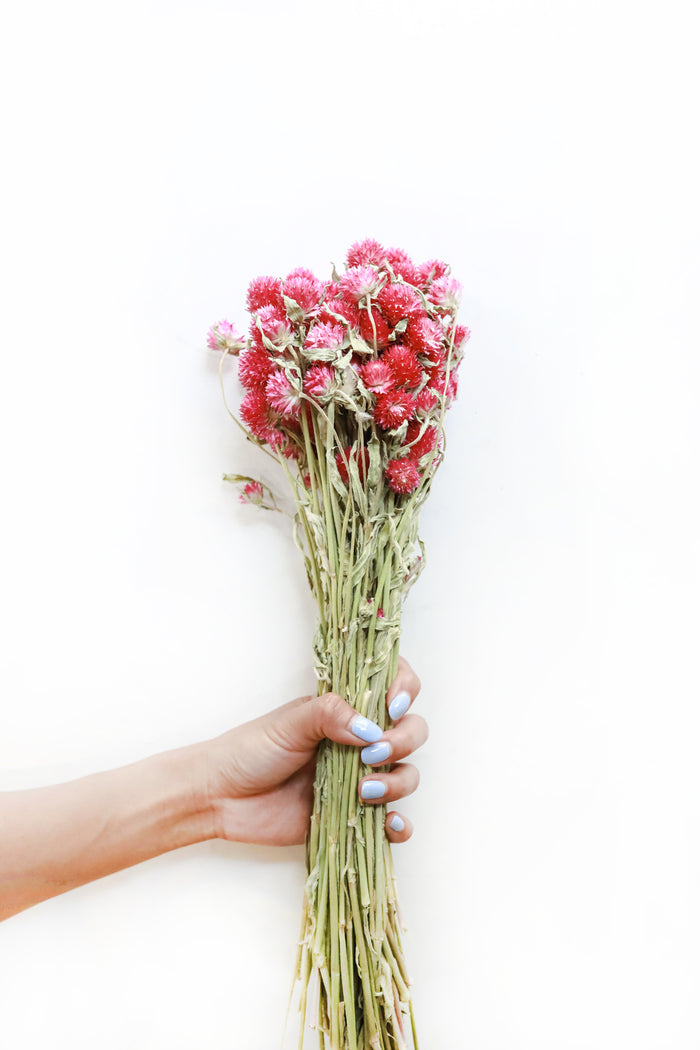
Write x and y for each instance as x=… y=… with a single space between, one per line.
x=403 y=690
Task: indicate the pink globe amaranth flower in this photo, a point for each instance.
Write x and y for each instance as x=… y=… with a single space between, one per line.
x=420 y=446
x=291 y=451
x=427 y=337
x=361 y=460
x=426 y=401
x=393 y=408
x=305 y=290
x=224 y=336
x=254 y=366
x=403 y=475
x=462 y=334
x=444 y=386
x=380 y=614
x=276 y=327
x=380 y=327
x=438 y=380
x=367 y=252
x=320 y=382
x=302 y=271
x=446 y=294
x=282 y=395
x=376 y=375
x=259 y=417
x=398 y=301
x=402 y=265
x=264 y=291
x=252 y=493
x=347 y=309
x=429 y=271
x=403 y=365
x=331 y=290
x=325 y=335
x=360 y=281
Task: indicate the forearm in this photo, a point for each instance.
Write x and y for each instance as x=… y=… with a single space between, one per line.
x=53 y=839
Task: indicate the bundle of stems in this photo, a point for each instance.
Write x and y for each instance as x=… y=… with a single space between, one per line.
x=354 y=981
x=347 y=387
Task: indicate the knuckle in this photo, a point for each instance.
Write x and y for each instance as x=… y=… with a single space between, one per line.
x=329 y=707
x=331 y=699
x=330 y=703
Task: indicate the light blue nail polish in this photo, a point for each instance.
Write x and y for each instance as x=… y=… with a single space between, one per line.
x=365 y=730
x=396 y=823
x=373 y=789
x=399 y=705
x=376 y=753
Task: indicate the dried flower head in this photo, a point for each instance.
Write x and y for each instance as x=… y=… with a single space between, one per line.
x=462 y=334
x=420 y=444
x=403 y=365
x=301 y=271
x=264 y=291
x=402 y=265
x=403 y=475
x=429 y=271
x=252 y=493
x=376 y=375
x=426 y=337
x=393 y=408
x=398 y=301
x=320 y=382
x=368 y=252
x=225 y=336
x=283 y=394
x=360 y=281
x=325 y=335
x=254 y=366
x=446 y=294
x=305 y=290
x=343 y=307
x=381 y=330
x=362 y=461
x=275 y=326
x=260 y=418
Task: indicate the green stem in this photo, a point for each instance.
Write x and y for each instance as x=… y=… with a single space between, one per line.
x=351 y=950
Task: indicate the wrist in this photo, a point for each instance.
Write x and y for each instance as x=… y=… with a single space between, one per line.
x=188 y=807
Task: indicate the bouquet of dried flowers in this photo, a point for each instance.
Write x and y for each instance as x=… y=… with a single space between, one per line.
x=347 y=382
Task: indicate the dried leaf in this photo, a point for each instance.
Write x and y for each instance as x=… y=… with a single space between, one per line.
x=325 y=353
x=359 y=345
x=294 y=311
x=399 y=328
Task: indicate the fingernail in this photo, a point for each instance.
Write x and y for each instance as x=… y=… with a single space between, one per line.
x=399 y=705
x=396 y=823
x=365 y=730
x=376 y=753
x=372 y=789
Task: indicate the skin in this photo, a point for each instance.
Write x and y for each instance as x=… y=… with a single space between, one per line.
x=252 y=784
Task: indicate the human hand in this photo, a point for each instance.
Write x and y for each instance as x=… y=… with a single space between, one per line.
x=260 y=775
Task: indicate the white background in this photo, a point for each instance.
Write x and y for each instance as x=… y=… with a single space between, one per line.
x=157 y=156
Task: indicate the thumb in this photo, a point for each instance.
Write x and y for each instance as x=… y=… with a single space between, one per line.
x=311 y=719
